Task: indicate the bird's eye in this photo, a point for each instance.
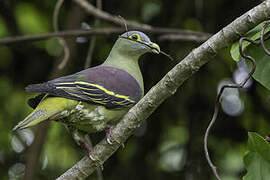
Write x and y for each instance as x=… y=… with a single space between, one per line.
x=135 y=37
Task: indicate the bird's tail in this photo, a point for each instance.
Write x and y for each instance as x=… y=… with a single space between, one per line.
x=49 y=108
x=32 y=119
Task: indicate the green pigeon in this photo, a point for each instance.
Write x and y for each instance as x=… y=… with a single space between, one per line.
x=94 y=99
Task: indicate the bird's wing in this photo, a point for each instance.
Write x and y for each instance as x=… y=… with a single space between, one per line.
x=102 y=86
x=94 y=93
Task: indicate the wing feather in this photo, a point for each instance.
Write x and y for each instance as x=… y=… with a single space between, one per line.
x=86 y=91
x=108 y=86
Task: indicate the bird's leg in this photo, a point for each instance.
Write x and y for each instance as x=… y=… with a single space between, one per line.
x=108 y=133
x=109 y=139
x=86 y=146
x=79 y=138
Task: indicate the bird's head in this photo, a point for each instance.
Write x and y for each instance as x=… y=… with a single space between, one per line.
x=136 y=43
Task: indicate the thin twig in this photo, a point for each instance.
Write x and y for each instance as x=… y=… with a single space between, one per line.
x=56 y=14
x=89 y=8
x=262 y=39
x=124 y=22
x=241 y=85
x=90 y=52
x=106 y=16
x=185 y=34
x=93 y=40
x=214 y=117
x=167 y=55
x=97 y=31
x=66 y=34
x=213 y=167
x=62 y=41
x=184 y=37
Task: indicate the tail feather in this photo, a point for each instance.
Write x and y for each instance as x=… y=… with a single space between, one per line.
x=32 y=119
x=49 y=108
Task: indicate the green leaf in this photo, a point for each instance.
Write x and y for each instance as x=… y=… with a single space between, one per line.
x=252 y=34
x=257 y=143
x=257 y=159
x=262 y=72
x=235 y=50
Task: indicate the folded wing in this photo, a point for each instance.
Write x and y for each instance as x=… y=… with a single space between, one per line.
x=111 y=87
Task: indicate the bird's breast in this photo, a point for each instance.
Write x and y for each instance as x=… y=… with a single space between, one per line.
x=91 y=118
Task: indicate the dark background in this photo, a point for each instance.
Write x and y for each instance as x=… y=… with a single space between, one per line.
x=170 y=143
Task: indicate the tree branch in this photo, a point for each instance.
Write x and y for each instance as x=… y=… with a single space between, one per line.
x=98 y=13
x=89 y=8
x=180 y=35
x=68 y=33
x=168 y=86
x=197 y=36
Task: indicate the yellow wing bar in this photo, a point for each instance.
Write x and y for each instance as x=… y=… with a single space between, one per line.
x=96 y=93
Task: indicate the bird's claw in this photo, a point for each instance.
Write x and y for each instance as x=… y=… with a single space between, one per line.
x=92 y=157
x=109 y=139
x=97 y=162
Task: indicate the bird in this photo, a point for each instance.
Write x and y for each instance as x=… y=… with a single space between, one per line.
x=96 y=98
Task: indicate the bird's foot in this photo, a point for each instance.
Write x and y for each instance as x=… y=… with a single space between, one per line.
x=109 y=139
x=96 y=161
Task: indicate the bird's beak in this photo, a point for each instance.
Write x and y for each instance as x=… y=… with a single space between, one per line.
x=155 y=48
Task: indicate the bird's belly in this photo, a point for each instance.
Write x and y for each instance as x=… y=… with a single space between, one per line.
x=91 y=118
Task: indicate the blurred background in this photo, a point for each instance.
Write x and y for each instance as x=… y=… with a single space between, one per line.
x=169 y=145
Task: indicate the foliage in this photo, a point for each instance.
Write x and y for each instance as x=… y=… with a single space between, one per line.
x=262 y=59
x=257 y=159
x=253 y=34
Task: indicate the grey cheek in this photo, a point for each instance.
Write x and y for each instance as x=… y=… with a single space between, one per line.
x=140 y=47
